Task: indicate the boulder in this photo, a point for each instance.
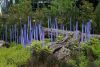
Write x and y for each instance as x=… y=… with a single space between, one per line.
x=2 y=43
x=62 y=53
x=57 y=45
x=63 y=49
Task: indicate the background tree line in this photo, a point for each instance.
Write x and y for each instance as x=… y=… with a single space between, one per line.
x=82 y=10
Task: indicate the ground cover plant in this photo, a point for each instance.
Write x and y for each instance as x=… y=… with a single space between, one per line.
x=14 y=56
x=91 y=53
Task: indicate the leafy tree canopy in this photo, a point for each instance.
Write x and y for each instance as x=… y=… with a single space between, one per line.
x=21 y=10
x=87 y=11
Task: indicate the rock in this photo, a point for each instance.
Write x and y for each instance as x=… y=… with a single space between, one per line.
x=55 y=46
x=72 y=42
x=2 y=43
x=65 y=39
x=62 y=53
x=63 y=49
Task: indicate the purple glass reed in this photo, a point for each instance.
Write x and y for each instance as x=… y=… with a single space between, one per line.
x=63 y=30
x=15 y=33
x=82 y=36
x=10 y=35
x=30 y=27
x=70 y=24
x=28 y=21
x=40 y=35
x=6 y=33
x=85 y=33
x=66 y=32
x=56 y=27
x=25 y=34
x=76 y=33
x=51 y=35
x=3 y=36
x=17 y=36
x=49 y=25
x=36 y=32
x=88 y=29
x=22 y=38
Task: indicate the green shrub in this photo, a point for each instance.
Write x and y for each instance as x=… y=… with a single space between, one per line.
x=12 y=44
x=96 y=47
x=59 y=38
x=39 y=43
x=39 y=53
x=83 y=61
x=90 y=49
x=72 y=63
x=47 y=40
x=94 y=44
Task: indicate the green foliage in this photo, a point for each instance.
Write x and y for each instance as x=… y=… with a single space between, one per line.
x=97 y=62
x=83 y=61
x=39 y=43
x=86 y=53
x=95 y=46
x=14 y=56
x=72 y=62
x=12 y=44
x=36 y=45
x=59 y=38
x=46 y=40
